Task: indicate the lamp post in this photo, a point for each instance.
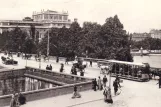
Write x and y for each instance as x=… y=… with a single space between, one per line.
x=26 y=62
x=48 y=44
x=39 y=55
x=40 y=60
x=110 y=71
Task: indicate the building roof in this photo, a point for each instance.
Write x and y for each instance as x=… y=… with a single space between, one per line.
x=50 y=12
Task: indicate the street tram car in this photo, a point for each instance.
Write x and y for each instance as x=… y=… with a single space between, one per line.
x=128 y=70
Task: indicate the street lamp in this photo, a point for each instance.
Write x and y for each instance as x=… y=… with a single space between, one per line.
x=40 y=60
x=48 y=44
x=110 y=71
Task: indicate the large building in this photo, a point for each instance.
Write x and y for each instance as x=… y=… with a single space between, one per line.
x=155 y=33
x=139 y=36
x=42 y=21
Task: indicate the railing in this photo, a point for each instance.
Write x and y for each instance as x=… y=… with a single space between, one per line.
x=67 y=77
x=81 y=82
x=12 y=73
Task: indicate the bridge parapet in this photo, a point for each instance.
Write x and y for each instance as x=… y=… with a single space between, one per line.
x=63 y=77
x=11 y=73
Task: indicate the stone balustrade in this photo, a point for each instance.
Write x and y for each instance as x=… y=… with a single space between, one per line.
x=82 y=83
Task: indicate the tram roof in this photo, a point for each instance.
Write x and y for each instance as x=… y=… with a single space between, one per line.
x=122 y=62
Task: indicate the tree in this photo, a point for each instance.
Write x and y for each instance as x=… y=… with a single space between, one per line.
x=3 y=39
x=108 y=41
x=114 y=41
x=28 y=45
x=75 y=36
x=15 y=41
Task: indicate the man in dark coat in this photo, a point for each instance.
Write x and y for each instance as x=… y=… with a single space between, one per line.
x=159 y=82
x=94 y=85
x=21 y=99
x=50 y=67
x=62 y=68
x=76 y=93
x=104 y=80
x=115 y=85
x=47 y=67
x=57 y=59
x=91 y=63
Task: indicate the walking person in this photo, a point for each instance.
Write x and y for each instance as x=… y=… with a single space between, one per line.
x=57 y=59
x=50 y=67
x=115 y=85
x=81 y=73
x=21 y=99
x=109 y=96
x=72 y=70
x=13 y=101
x=47 y=67
x=62 y=68
x=159 y=81
x=76 y=94
x=94 y=85
x=118 y=80
x=91 y=63
x=66 y=61
x=99 y=83
x=105 y=81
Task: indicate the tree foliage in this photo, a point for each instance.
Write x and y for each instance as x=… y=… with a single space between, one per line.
x=108 y=41
x=17 y=41
x=148 y=43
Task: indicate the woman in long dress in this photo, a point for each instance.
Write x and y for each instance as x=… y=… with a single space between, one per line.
x=99 y=83
x=13 y=101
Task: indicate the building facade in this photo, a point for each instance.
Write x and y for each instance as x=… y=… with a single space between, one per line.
x=42 y=22
x=155 y=33
x=139 y=36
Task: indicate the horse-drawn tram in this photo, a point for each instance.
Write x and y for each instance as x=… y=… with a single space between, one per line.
x=128 y=70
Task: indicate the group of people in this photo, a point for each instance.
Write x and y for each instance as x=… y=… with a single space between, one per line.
x=99 y=84
x=75 y=69
x=102 y=84
x=49 y=67
x=17 y=100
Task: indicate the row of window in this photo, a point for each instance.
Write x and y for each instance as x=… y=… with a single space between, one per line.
x=55 y=17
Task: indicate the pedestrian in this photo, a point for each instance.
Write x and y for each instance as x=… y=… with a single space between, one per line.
x=105 y=81
x=47 y=67
x=115 y=85
x=159 y=81
x=62 y=68
x=66 y=61
x=82 y=73
x=57 y=59
x=99 y=83
x=76 y=94
x=91 y=63
x=109 y=96
x=75 y=71
x=50 y=67
x=13 y=101
x=16 y=99
x=94 y=85
x=21 y=99
x=118 y=80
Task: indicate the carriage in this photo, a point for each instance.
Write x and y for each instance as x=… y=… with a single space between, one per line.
x=128 y=70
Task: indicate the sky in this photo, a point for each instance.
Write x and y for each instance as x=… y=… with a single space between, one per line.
x=136 y=15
